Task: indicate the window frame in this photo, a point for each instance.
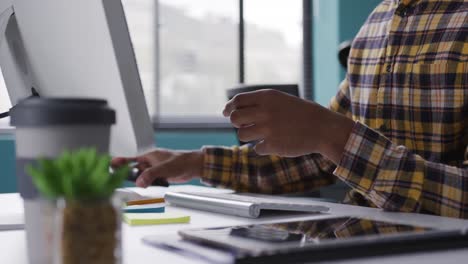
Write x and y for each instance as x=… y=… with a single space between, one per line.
x=168 y=122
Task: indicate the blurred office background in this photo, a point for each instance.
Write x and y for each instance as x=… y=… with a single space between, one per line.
x=189 y=52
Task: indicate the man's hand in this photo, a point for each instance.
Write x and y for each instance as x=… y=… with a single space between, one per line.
x=173 y=166
x=288 y=126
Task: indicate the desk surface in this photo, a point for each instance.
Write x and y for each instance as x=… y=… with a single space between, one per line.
x=13 y=248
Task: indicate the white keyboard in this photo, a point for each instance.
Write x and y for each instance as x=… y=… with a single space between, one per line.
x=246 y=205
x=250 y=198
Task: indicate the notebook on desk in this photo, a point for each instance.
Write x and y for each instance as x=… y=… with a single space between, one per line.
x=245 y=205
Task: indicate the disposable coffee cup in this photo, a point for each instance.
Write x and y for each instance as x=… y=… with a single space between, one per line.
x=45 y=128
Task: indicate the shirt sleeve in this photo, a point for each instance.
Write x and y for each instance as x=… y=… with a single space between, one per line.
x=395 y=179
x=241 y=169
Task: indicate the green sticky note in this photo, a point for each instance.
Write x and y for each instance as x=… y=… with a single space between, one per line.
x=155 y=218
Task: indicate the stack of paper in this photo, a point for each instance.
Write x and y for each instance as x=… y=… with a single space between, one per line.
x=155 y=205
x=147 y=210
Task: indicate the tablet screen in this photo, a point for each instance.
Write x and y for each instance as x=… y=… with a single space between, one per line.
x=314 y=231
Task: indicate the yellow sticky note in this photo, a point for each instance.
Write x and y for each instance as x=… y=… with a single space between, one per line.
x=155 y=218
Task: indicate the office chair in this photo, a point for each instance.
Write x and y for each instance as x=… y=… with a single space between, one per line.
x=343 y=52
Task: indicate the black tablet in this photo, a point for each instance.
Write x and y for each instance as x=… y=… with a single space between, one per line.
x=323 y=239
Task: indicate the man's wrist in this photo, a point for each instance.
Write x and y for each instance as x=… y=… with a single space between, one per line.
x=196 y=160
x=335 y=136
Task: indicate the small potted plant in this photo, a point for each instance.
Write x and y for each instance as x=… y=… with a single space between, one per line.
x=88 y=217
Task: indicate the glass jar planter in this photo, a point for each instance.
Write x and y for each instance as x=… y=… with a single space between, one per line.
x=89 y=232
x=40 y=229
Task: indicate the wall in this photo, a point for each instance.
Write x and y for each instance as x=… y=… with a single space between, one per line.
x=334 y=21
x=7 y=164
x=325 y=43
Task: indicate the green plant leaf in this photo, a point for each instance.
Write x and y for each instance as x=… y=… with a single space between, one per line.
x=90 y=158
x=40 y=181
x=81 y=174
x=100 y=175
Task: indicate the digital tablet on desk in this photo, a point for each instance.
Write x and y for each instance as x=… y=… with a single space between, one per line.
x=324 y=239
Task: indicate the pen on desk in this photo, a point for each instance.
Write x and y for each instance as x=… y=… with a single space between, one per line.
x=146 y=201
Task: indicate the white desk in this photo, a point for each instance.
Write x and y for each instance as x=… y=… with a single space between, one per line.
x=13 y=248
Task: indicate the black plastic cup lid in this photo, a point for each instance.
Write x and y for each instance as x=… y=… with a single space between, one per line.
x=39 y=111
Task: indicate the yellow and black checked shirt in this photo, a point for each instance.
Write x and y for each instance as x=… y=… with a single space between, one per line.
x=406 y=88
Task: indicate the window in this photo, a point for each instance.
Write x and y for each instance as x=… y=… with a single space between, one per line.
x=141 y=22
x=188 y=50
x=197 y=55
x=273 y=41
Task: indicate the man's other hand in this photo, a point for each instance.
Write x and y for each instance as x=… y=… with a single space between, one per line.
x=173 y=166
x=288 y=126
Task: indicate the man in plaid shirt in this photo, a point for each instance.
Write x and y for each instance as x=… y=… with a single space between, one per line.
x=396 y=132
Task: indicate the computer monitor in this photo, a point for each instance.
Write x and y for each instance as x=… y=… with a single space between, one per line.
x=76 y=49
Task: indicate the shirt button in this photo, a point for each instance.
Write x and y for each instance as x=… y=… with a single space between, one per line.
x=389 y=68
x=402 y=10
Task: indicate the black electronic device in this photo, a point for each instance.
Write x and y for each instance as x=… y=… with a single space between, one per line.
x=324 y=239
